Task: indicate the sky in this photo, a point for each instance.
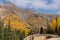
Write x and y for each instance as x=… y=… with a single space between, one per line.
x=42 y=6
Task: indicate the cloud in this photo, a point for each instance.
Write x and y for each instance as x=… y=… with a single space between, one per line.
x=47 y=5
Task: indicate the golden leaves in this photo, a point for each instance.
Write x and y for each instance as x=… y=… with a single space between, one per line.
x=16 y=23
x=53 y=24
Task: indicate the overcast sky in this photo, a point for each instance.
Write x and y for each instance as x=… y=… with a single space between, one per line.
x=43 y=6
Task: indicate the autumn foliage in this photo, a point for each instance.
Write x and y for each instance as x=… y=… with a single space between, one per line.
x=16 y=23
x=55 y=25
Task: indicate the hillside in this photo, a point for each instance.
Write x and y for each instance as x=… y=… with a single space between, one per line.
x=27 y=17
x=17 y=24
x=16 y=21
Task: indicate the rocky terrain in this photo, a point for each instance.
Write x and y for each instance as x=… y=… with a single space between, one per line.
x=24 y=19
x=32 y=18
x=42 y=37
x=7 y=12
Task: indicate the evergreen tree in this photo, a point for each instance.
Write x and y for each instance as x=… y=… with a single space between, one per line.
x=8 y=33
x=49 y=31
x=1 y=30
x=21 y=35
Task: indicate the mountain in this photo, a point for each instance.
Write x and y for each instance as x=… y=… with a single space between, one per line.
x=25 y=18
x=8 y=13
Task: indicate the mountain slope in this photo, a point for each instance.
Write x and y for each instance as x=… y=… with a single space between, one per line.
x=31 y=17
x=16 y=21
